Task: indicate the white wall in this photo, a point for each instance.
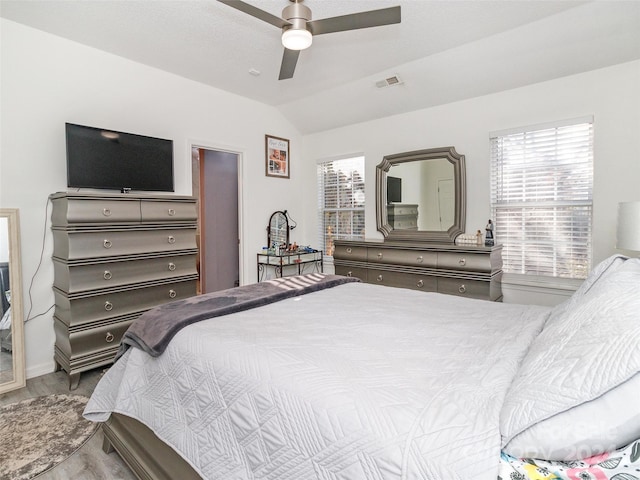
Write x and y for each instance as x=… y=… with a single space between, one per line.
x=612 y=95
x=47 y=81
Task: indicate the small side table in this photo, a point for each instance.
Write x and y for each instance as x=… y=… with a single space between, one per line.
x=289 y=263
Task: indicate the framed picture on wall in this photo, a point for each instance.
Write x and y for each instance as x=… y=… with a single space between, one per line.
x=277 y=156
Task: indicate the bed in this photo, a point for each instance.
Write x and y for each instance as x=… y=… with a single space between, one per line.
x=337 y=379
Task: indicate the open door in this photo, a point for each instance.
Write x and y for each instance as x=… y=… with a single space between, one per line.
x=218 y=219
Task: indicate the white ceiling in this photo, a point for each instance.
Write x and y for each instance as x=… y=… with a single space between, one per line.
x=443 y=51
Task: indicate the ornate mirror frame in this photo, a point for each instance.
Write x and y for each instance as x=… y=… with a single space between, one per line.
x=278 y=228
x=382 y=221
x=17 y=321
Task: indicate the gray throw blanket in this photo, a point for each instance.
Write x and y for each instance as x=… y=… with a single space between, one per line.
x=154 y=329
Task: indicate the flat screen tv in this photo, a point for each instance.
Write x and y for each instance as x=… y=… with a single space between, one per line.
x=394 y=189
x=107 y=159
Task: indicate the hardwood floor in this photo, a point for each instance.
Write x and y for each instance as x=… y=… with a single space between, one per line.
x=89 y=462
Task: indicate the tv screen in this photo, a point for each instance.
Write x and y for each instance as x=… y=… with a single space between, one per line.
x=394 y=189
x=107 y=159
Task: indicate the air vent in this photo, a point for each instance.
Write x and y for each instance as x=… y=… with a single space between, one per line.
x=389 y=82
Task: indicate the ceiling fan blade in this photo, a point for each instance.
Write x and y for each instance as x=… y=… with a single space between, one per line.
x=354 y=21
x=289 y=60
x=256 y=12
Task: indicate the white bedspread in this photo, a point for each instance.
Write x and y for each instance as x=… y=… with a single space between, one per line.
x=353 y=382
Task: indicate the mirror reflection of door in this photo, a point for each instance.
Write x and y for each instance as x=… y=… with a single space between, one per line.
x=446 y=202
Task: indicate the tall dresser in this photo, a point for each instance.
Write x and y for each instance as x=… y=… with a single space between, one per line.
x=115 y=257
x=403 y=216
x=467 y=271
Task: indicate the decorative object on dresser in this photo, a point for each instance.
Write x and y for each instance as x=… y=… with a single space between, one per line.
x=468 y=271
x=115 y=256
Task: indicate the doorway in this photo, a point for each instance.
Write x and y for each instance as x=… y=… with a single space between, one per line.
x=216 y=185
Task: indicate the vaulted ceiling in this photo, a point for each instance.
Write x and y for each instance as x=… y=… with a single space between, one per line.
x=442 y=51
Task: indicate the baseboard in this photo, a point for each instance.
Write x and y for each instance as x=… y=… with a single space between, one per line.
x=41 y=369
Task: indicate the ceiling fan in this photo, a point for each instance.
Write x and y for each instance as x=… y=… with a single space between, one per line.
x=298 y=29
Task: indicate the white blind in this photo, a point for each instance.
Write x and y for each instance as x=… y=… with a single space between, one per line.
x=340 y=201
x=541 y=199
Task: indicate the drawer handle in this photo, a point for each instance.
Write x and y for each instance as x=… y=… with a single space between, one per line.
x=462 y=288
x=462 y=262
x=108 y=306
x=379 y=255
x=109 y=337
x=107 y=243
x=420 y=283
x=107 y=275
x=420 y=259
x=172 y=266
x=171 y=212
x=171 y=239
x=349 y=274
x=349 y=250
x=172 y=294
x=106 y=212
x=379 y=278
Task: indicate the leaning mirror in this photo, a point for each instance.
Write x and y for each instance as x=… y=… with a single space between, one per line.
x=421 y=195
x=12 y=370
x=278 y=230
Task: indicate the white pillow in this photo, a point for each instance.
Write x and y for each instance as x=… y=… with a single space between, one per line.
x=577 y=392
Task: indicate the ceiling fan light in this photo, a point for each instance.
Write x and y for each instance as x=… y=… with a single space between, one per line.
x=297 y=39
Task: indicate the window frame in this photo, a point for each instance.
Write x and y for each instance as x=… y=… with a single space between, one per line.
x=576 y=201
x=326 y=240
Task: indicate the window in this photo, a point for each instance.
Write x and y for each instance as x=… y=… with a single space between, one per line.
x=541 y=198
x=340 y=201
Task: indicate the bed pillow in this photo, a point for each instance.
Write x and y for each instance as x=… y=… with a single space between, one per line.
x=597 y=274
x=586 y=359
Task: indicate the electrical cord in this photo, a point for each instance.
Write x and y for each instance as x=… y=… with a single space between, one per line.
x=295 y=224
x=33 y=277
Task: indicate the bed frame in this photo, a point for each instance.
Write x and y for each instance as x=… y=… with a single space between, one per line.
x=146 y=455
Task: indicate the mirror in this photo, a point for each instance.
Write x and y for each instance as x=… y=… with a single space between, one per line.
x=12 y=369
x=278 y=230
x=421 y=195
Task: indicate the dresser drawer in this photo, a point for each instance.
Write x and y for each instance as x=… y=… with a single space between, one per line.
x=89 y=342
x=464 y=287
x=404 y=280
x=88 y=309
x=74 y=245
x=73 y=211
x=349 y=271
x=464 y=261
x=348 y=252
x=404 y=223
x=83 y=277
x=402 y=210
x=403 y=257
x=168 y=211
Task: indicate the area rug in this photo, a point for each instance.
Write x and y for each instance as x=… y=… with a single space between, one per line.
x=39 y=433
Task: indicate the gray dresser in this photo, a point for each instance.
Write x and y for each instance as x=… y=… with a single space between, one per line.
x=114 y=257
x=474 y=272
x=403 y=216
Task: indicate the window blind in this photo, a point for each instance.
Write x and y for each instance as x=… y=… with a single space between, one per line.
x=340 y=201
x=541 y=199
